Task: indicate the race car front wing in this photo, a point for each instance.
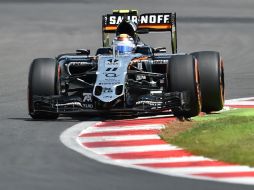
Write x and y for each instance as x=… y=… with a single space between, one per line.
x=146 y=104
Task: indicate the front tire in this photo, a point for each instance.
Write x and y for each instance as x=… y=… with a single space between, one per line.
x=42 y=81
x=211 y=80
x=183 y=76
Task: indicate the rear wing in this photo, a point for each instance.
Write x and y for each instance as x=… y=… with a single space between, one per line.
x=148 y=22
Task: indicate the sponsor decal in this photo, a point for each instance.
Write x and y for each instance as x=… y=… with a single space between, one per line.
x=160 y=61
x=140 y=61
x=113 y=19
x=111 y=73
x=140 y=77
x=107 y=90
x=154 y=19
x=87 y=97
x=88 y=106
x=114 y=75
x=112 y=80
x=69 y=104
x=143 y=19
x=112 y=62
x=111 y=69
x=78 y=63
x=107 y=97
x=140 y=67
x=147 y=102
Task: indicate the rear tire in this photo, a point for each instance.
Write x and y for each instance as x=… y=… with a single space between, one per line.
x=42 y=82
x=183 y=76
x=211 y=80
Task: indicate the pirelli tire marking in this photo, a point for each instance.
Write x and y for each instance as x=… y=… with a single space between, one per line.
x=136 y=144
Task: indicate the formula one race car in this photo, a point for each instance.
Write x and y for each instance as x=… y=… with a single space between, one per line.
x=127 y=75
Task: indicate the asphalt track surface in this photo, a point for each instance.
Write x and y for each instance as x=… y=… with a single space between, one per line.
x=32 y=156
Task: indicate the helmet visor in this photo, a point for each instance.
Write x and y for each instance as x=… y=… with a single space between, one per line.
x=124 y=49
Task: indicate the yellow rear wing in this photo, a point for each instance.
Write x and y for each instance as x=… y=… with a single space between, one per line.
x=151 y=22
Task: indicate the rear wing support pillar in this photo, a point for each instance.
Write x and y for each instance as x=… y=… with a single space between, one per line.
x=173 y=34
x=105 y=36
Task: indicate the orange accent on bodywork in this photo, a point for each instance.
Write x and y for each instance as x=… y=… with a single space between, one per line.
x=142 y=26
x=58 y=72
x=139 y=59
x=110 y=28
x=155 y=26
x=222 y=92
x=136 y=60
x=197 y=79
x=196 y=71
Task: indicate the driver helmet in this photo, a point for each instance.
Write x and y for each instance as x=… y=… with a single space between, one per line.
x=124 y=44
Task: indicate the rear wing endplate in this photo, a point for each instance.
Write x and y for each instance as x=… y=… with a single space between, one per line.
x=152 y=22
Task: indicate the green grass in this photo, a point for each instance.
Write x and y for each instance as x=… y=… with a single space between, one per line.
x=227 y=136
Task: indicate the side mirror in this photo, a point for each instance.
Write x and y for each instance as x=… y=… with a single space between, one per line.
x=83 y=52
x=160 y=50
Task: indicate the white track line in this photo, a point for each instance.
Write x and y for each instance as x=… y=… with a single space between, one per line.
x=155 y=116
x=126 y=149
x=163 y=160
x=249 y=103
x=117 y=138
x=239 y=99
x=123 y=128
x=206 y=169
x=243 y=180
